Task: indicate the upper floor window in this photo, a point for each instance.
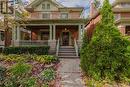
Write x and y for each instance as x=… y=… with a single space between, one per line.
x=46 y=6
x=2 y=35
x=64 y=15
x=117 y=16
x=46 y=15
x=43 y=6
x=125 y=5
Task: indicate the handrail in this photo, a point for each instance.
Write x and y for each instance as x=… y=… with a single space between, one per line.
x=76 y=47
x=57 y=47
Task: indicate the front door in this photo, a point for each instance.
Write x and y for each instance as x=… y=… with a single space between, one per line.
x=65 y=38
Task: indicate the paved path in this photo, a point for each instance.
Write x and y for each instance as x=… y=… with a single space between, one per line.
x=70 y=73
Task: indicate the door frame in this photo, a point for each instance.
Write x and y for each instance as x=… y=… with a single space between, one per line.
x=62 y=38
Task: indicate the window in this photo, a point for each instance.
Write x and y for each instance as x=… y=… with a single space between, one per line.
x=46 y=16
x=45 y=35
x=125 y=5
x=43 y=6
x=1 y=35
x=117 y=16
x=64 y=15
x=48 y=6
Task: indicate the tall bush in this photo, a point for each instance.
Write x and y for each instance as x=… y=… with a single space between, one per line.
x=83 y=51
x=106 y=53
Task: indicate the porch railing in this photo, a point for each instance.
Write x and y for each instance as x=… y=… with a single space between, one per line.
x=2 y=43
x=31 y=42
x=76 y=47
x=57 y=47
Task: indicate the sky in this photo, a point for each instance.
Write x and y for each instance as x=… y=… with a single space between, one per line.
x=77 y=3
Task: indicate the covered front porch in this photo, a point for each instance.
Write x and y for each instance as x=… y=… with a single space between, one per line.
x=49 y=34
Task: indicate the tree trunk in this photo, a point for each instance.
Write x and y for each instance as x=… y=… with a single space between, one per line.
x=7 y=32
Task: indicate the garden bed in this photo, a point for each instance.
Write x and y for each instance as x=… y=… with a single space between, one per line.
x=28 y=70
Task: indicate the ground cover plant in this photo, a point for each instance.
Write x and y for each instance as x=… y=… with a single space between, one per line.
x=106 y=57
x=28 y=70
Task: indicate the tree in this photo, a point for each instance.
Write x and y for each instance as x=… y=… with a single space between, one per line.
x=106 y=56
x=10 y=22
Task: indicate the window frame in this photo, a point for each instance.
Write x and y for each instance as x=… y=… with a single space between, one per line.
x=48 y=16
x=64 y=13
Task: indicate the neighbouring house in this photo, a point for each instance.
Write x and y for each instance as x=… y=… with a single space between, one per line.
x=121 y=10
x=50 y=23
x=12 y=10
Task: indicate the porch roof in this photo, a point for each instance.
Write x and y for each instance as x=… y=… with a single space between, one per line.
x=52 y=21
x=123 y=21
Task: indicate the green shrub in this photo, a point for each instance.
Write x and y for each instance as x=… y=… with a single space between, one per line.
x=45 y=58
x=48 y=75
x=20 y=69
x=39 y=50
x=19 y=76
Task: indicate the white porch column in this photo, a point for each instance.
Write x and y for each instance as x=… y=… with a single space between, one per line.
x=52 y=41
x=54 y=32
x=79 y=37
x=18 y=33
x=50 y=33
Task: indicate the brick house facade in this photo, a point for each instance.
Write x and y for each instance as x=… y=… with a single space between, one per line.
x=121 y=10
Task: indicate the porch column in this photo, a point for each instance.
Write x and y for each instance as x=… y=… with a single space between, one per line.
x=82 y=31
x=122 y=29
x=50 y=32
x=79 y=37
x=18 y=33
x=52 y=41
x=54 y=32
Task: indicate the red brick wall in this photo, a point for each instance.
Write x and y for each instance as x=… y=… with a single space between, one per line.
x=34 y=34
x=74 y=15
x=35 y=15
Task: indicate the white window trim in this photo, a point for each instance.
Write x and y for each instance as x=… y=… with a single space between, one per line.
x=46 y=9
x=46 y=13
x=64 y=13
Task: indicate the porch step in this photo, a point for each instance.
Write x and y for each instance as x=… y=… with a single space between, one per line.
x=68 y=57
x=66 y=47
x=67 y=52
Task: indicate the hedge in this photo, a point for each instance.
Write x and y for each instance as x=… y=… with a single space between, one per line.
x=39 y=50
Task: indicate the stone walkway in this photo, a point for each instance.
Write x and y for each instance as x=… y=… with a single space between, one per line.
x=70 y=73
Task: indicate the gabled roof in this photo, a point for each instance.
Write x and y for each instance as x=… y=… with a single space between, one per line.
x=37 y=2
